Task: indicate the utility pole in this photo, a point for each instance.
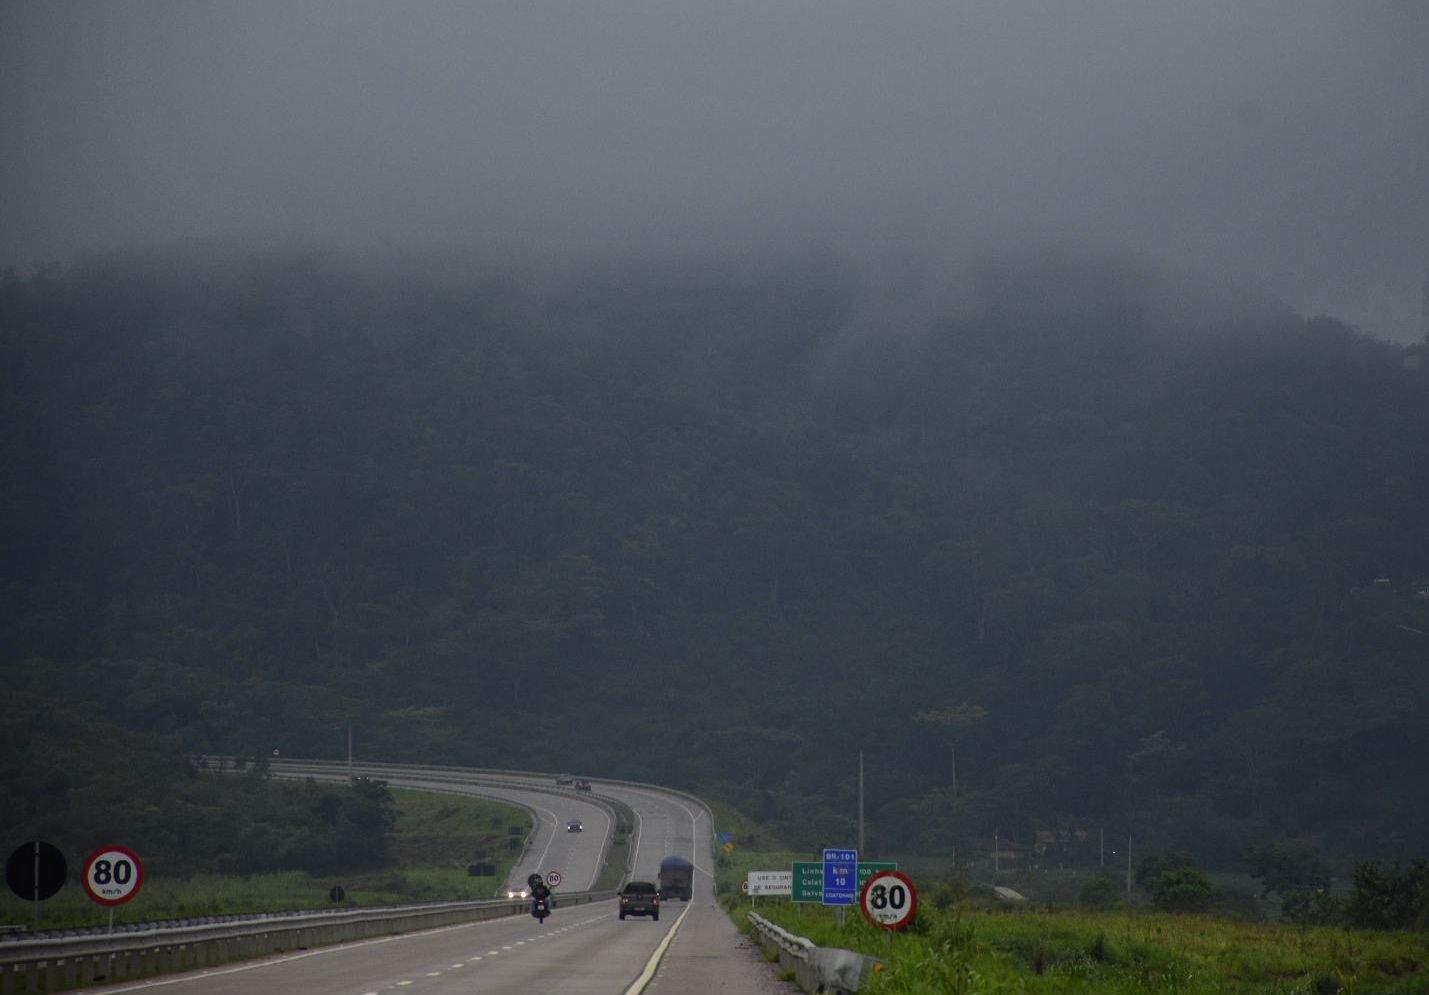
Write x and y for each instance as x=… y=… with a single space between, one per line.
x=349 y=751
x=860 y=803
x=1101 y=845
x=1424 y=317
x=1128 y=864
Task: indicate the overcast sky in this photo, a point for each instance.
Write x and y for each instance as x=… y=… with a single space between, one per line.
x=1277 y=142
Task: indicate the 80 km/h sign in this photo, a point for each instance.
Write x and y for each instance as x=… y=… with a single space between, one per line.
x=113 y=875
x=889 y=900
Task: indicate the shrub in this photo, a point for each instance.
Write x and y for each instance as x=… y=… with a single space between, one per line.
x=1183 y=890
x=946 y=894
x=1286 y=867
x=1101 y=891
x=1311 y=907
x=1150 y=868
x=1388 y=898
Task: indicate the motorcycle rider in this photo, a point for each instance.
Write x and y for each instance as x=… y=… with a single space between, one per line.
x=540 y=893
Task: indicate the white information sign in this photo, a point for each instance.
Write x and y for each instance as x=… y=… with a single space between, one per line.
x=770 y=882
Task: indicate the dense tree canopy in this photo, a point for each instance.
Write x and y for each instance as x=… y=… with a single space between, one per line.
x=1116 y=561
x=70 y=777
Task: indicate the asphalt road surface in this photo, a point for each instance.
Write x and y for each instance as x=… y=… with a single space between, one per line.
x=578 y=949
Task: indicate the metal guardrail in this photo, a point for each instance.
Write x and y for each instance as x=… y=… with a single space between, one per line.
x=795 y=946
x=67 y=962
x=457 y=777
x=47 y=964
x=815 y=968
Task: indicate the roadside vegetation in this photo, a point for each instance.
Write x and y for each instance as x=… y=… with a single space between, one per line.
x=617 y=856
x=432 y=841
x=966 y=949
x=1179 y=929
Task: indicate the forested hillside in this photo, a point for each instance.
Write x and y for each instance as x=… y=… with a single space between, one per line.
x=1124 y=560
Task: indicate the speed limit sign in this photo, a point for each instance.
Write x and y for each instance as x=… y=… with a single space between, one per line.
x=113 y=874
x=553 y=877
x=889 y=900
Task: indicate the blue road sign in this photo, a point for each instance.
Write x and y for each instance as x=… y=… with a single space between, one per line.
x=840 y=877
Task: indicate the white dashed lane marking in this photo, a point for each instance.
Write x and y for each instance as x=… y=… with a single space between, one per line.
x=474 y=958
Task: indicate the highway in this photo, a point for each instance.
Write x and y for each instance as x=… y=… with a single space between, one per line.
x=576 y=855
x=578 y=949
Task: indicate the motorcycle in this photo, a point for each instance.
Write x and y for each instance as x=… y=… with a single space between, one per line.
x=540 y=897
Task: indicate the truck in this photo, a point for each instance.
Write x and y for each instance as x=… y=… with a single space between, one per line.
x=677 y=877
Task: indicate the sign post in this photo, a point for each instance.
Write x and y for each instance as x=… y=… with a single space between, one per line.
x=769 y=883
x=870 y=867
x=840 y=876
x=807 y=878
x=889 y=901
x=35 y=871
x=840 y=879
x=112 y=876
x=807 y=881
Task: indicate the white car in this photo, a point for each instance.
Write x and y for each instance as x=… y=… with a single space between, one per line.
x=518 y=892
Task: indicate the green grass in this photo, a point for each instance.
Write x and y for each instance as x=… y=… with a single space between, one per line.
x=434 y=839
x=966 y=950
x=748 y=834
x=451 y=831
x=617 y=858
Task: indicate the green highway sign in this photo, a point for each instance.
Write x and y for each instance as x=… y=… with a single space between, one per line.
x=866 y=869
x=808 y=882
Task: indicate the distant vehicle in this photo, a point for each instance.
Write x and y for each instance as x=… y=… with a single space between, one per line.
x=582 y=784
x=565 y=780
x=574 y=826
x=677 y=877
x=518 y=893
x=640 y=898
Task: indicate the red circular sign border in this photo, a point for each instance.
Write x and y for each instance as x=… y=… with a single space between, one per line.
x=138 y=872
x=560 y=878
x=912 y=898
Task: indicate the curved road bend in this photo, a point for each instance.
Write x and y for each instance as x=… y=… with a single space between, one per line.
x=579 y=949
x=576 y=855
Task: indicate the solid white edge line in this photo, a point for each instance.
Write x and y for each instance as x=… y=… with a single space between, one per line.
x=649 y=972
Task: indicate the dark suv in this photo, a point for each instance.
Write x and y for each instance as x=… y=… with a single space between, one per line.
x=640 y=898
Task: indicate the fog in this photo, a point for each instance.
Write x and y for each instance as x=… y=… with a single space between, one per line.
x=1281 y=143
